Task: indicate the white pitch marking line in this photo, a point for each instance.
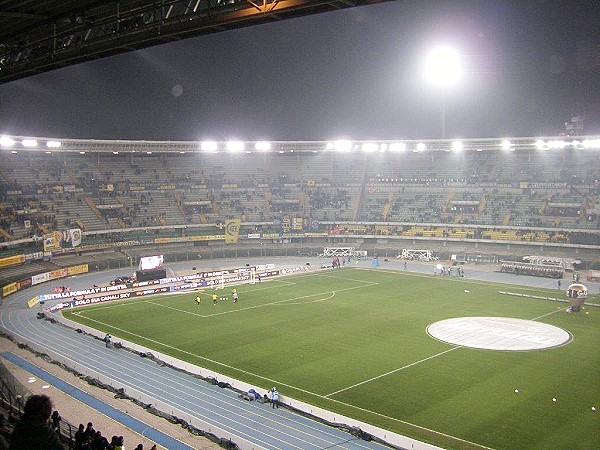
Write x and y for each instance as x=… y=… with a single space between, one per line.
x=314 y=301
x=394 y=371
x=280 y=302
x=548 y=314
x=175 y=309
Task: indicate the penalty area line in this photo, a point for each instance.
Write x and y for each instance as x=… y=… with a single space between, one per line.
x=393 y=371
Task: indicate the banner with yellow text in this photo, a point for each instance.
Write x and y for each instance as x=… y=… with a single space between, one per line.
x=232 y=231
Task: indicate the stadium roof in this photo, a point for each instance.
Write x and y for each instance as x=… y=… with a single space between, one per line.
x=17 y=144
x=41 y=35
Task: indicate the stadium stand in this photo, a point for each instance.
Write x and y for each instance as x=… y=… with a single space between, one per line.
x=139 y=192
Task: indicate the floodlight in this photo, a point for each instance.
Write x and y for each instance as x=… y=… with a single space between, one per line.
x=14 y=152
x=235 y=146
x=369 y=147
x=82 y=153
x=148 y=153
x=53 y=144
x=557 y=144
x=263 y=146
x=115 y=153
x=342 y=146
x=209 y=146
x=539 y=144
x=421 y=147
x=329 y=146
x=505 y=144
x=6 y=141
x=591 y=143
x=29 y=143
x=398 y=147
x=457 y=146
x=442 y=66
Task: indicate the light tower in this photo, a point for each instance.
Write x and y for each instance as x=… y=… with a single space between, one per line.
x=442 y=70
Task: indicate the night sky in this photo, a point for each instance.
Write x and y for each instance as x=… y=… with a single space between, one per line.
x=529 y=67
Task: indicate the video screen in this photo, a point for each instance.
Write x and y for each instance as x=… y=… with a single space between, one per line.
x=151 y=262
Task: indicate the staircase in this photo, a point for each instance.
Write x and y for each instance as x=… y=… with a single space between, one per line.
x=6 y=235
x=92 y=205
x=388 y=206
x=483 y=204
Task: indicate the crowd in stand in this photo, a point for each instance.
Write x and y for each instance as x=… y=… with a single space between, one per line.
x=39 y=428
x=30 y=208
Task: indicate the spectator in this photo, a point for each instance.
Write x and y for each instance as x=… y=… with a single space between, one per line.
x=274 y=398
x=56 y=421
x=87 y=442
x=99 y=442
x=119 y=443
x=79 y=434
x=33 y=431
x=89 y=431
x=113 y=442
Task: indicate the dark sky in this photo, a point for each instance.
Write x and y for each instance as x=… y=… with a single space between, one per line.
x=529 y=65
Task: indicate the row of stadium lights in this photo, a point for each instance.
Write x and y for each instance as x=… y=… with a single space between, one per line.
x=341 y=146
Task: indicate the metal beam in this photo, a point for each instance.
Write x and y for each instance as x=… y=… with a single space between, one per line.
x=112 y=30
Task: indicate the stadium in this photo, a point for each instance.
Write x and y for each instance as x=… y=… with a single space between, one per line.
x=195 y=254
x=88 y=222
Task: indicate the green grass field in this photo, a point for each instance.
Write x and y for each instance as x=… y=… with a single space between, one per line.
x=354 y=341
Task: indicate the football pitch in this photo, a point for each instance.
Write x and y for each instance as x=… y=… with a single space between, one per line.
x=355 y=341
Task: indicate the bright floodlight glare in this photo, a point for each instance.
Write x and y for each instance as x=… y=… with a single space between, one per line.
x=369 y=147
x=398 y=147
x=539 y=144
x=29 y=143
x=457 y=146
x=208 y=146
x=343 y=146
x=53 y=144
x=442 y=66
x=6 y=141
x=421 y=147
x=591 y=143
x=557 y=144
x=505 y=144
x=235 y=146
x=263 y=146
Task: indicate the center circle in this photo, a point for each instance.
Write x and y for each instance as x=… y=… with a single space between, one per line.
x=498 y=333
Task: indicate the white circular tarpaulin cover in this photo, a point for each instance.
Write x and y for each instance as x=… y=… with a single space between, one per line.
x=498 y=333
